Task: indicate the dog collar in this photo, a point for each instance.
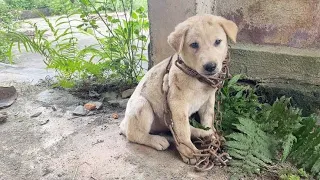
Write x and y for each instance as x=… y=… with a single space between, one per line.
x=215 y=81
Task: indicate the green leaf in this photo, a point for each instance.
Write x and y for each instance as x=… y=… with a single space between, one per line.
x=109 y=18
x=134 y=15
x=115 y=21
x=9 y=53
x=195 y=124
x=287 y=146
x=85 y=2
x=234 y=80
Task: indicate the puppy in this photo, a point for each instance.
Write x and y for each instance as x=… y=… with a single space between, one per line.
x=201 y=43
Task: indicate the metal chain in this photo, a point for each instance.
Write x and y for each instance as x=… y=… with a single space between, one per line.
x=210 y=153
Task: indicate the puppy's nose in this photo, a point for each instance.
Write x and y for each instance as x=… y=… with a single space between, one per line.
x=210 y=67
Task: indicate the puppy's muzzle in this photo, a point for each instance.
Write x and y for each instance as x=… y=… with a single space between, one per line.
x=210 y=67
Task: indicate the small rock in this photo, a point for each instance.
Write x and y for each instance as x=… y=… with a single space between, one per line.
x=46 y=171
x=127 y=93
x=115 y=116
x=51 y=97
x=20 y=119
x=80 y=111
x=43 y=122
x=98 y=104
x=3 y=117
x=36 y=114
x=54 y=108
x=119 y=103
x=109 y=96
x=90 y=106
x=8 y=95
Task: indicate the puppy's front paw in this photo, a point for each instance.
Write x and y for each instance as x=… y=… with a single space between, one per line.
x=187 y=154
x=160 y=143
x=200 y=133
x=190 y=161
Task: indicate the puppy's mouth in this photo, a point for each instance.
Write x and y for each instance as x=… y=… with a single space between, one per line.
x=211 y=73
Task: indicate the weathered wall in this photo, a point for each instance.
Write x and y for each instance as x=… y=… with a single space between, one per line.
x=164 y=15
x=293 y=23
x=278 y=39
x=276 y=63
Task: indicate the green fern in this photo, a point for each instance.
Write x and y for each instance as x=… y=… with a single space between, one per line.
x=289 y=140
x=251 y=148
x=306 y=151
x=236 y=101
x=278 y=132
x=280 y=119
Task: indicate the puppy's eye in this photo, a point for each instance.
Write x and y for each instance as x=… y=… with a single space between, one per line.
x=217 y=42
x=194 y=45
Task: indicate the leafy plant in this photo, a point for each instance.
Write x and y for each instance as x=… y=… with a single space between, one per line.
x=117 y=5
x=235 y=101
x=306 y=150
x=63 y=7
x=7 y=18
x=293 y=174
x=125 y=42
x=251 y=148
x=119 y=53
x=259 y=135
x=289 y=177
x=26 y=4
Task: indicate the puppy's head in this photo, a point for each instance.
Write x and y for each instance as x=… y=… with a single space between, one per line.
x=201 y=41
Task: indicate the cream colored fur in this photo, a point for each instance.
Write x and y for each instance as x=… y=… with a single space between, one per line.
x=145 y=110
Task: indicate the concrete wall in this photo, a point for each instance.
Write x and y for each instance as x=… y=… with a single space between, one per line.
x=292 y=23
x=164 y=15
x=278 y=39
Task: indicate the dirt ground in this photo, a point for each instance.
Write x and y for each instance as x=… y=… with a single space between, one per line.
x=57 y=145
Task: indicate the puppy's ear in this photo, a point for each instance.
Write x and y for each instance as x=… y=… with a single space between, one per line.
x=230 y=28
x=176 y=38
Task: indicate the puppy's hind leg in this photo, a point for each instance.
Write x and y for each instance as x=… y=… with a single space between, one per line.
x=139 y=119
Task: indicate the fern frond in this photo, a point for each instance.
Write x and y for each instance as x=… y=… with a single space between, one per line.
x=287 y=146
x=316 y=167
x=281 y=119
x=306 y=151
x=250 y=148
